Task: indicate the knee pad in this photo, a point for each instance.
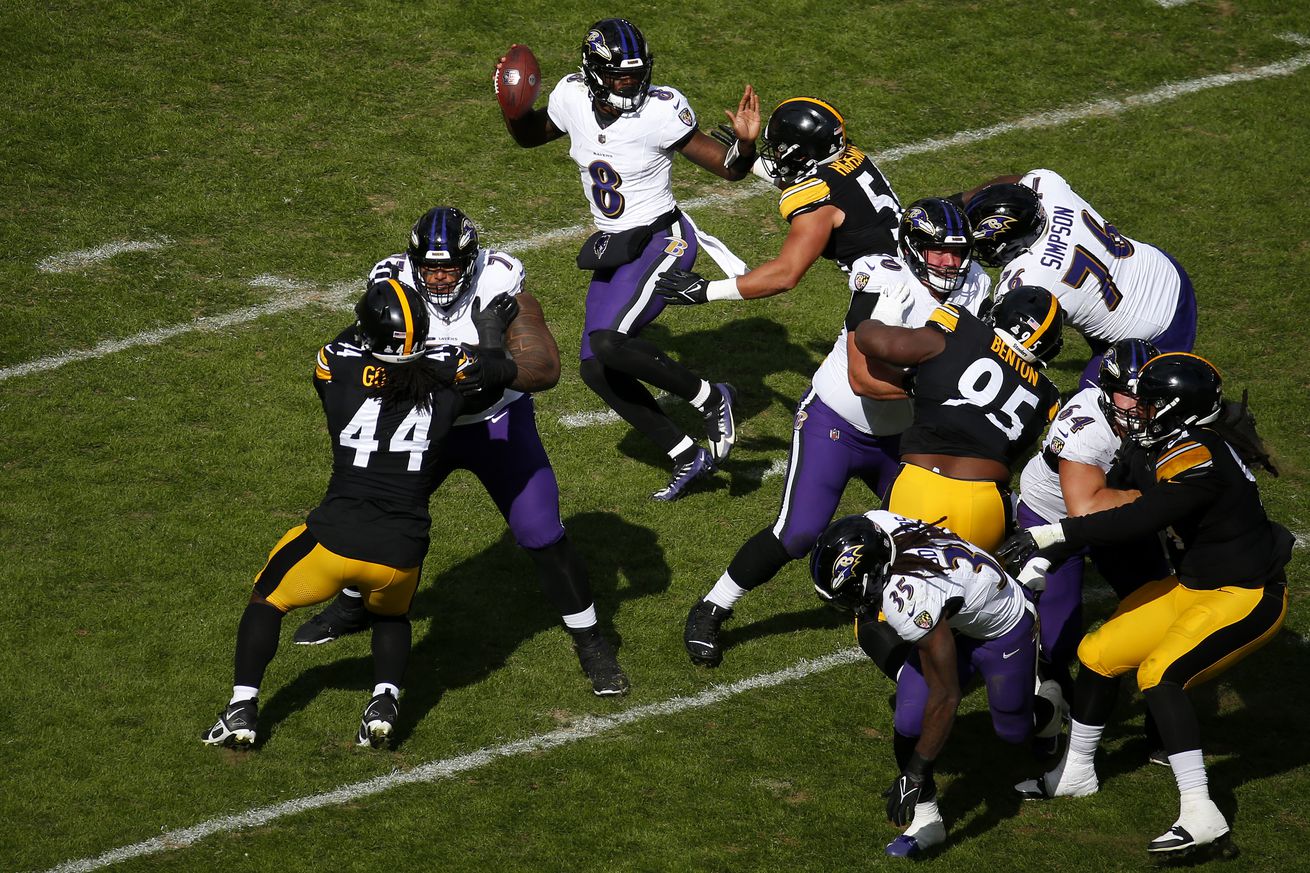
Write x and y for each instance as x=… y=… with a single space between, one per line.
x=1089 y=654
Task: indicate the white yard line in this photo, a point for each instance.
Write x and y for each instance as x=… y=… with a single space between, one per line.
x=434 y=771
x=70 y=261
x=1059 y=117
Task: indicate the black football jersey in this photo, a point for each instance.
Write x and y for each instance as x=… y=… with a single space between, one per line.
x=857 y=187
x=977 y=399
x=1196 y=486
x=376 y=507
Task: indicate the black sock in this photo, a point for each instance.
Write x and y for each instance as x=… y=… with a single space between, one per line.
x=1094 y=697
x=562 y=576
x=758 y=560
x=257 y=638
x=392 y=639
x=1174 y=716
x=633 y=402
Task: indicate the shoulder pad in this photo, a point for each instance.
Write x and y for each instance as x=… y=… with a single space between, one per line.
x=803 y=196
x=1185 y=456
x=946 y=316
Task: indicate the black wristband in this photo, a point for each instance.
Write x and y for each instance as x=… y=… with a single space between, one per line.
x=742 y=161
x=919 y=766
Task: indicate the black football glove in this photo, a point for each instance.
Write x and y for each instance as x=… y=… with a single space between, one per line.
x=1015 y=552
x=725 y=134
x=484 y=371
x=682 y=287
x=492 y=321
x=915 y=784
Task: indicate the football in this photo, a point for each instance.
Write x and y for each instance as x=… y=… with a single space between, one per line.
x=518 y=81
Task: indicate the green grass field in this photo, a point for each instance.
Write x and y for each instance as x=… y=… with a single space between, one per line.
x=267 y=155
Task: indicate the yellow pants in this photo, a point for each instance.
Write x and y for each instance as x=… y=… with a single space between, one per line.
x=301 y=572
x=975 y=511
x=1168 y=632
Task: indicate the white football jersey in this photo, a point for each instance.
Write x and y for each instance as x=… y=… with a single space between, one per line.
x=991 y=602
x=1109 y=286
x=872 y=274
x=1078 y=433
x=493 y=272
x=626 y=167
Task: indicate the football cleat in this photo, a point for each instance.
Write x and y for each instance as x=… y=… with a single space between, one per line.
x=378 y=722
x=602 y=668
x=915 y=841
x=684 y=474
x=701 y=635
x=342 y=616
x=1200 y=824
x=1060 y=782
x=235 y=727
x=720 y=425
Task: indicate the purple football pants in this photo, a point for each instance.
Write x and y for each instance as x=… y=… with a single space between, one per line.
x=1008 y=665
x=506 y=454
x=826 y=453
x=624 y=298
x=1179 y=336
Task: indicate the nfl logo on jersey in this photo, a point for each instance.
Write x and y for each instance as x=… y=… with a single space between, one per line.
x=834 y=434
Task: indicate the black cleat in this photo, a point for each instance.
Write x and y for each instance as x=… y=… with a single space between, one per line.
x=597 y=660
x=345 y=615
x=701 y=635
x=235 y=727
x=378 y=721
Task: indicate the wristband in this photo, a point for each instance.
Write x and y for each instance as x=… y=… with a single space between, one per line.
x=1046 y=535
x=723 y=289
x=919 y=766
x=736 y=161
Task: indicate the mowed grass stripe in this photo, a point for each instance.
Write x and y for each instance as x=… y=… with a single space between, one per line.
x=296 y=297
x=433 y=771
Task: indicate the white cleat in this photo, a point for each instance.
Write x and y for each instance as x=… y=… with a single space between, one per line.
x=1060 y=782
x=1200 y=824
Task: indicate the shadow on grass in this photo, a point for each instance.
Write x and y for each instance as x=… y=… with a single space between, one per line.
x=482 y=609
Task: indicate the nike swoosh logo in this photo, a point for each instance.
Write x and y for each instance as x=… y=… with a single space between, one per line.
x=1007 y=655
x=498 y=416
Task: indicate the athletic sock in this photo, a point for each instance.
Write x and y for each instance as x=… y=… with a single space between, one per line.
x=725 y=592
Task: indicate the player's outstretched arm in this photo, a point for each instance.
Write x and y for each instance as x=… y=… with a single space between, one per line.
x=733 y=160
x=533 y=347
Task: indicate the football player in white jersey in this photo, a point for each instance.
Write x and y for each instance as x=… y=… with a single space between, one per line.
x=475 y=296
x=623 y=133
x=1039 y=231
x=842 y=431
x=1068 y=477
x=964 y=616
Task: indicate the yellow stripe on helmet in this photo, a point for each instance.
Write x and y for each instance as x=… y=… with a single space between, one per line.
x=409 y=316
x=1045 y=325
x=1184 y=355
x=825 y=105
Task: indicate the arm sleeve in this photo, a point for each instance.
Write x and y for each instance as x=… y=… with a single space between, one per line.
x=1153 y=511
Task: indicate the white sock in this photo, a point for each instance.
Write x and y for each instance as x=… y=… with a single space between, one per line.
x=725 y=592
x=243 y=692
x=386 y=688
x=1083 y=740
x=1189 y=771
x=581 y=620
x=682 y=446
x=703 y=395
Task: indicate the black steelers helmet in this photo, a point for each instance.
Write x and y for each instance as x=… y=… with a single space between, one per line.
x=851 y=563
x=802 y=133
x=392 y=322
x=1178 y=390
x=1030 y=321
x=1006 y=220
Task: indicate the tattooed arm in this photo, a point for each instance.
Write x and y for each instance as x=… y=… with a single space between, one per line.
x=530 y=343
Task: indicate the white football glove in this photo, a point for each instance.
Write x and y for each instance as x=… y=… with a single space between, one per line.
x=892 y=306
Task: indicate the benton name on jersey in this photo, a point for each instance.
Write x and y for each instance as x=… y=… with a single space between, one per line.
x=856 y=186
x=376 y=506
x=977 y=399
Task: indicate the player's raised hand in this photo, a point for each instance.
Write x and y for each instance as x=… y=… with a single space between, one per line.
x=746 y=120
